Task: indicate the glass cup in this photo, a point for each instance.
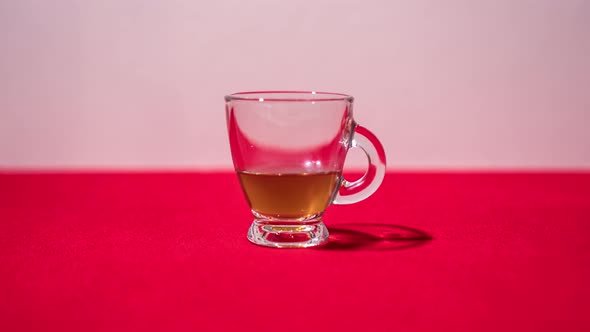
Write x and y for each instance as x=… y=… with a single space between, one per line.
x=288 y=149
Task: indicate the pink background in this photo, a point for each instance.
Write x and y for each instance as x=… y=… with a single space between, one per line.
x=444 y=84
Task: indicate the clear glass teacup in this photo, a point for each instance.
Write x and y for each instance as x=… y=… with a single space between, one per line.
x=288 y=149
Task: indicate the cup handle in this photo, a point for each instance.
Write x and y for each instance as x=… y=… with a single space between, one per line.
x=352 y=192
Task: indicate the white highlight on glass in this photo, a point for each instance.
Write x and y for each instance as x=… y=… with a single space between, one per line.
x=260 y=99
x=311 y=163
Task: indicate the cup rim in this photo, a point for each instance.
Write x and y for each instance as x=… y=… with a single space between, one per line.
x=293 y=96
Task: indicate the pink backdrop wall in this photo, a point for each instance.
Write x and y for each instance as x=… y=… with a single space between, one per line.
x=444 y=84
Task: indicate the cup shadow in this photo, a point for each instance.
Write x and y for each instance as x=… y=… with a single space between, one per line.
x=374 y=237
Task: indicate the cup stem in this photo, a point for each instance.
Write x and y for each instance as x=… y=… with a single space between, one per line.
x=273 y=233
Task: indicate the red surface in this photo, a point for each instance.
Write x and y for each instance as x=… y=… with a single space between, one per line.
x=168 y=252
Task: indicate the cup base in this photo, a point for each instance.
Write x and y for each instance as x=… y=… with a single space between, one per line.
x=288 y=234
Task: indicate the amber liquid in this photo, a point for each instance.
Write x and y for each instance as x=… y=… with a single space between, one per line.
x=289 y=196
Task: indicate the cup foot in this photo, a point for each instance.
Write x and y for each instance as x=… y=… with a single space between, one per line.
x=288 y=235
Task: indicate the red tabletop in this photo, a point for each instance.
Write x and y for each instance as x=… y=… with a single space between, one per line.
x=156 y=252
